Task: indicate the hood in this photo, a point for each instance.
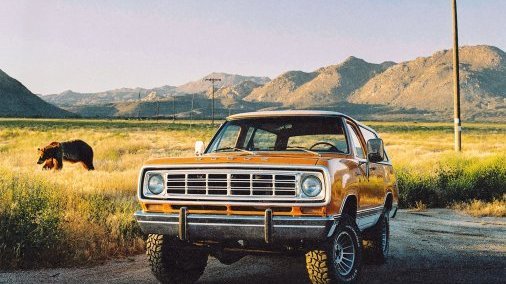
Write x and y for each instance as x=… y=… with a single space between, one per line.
x=303 y=159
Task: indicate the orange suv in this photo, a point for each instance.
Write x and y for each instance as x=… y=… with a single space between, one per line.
x=311 y=182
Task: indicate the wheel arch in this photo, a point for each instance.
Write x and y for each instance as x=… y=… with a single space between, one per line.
x=349 y=206
x=389 y=201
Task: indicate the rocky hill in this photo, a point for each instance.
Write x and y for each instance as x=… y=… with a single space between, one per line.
x=227 y=80
x=326 y=85
x=18 y=101
x=237 y=91
x=426 y=84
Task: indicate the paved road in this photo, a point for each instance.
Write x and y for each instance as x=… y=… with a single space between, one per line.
x=436 y=246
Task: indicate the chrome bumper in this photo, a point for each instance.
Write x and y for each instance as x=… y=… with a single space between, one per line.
x=235 y=227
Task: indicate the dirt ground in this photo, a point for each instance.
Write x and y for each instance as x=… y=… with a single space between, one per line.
x=435 y=246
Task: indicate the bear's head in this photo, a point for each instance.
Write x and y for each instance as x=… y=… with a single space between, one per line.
x=48 y=152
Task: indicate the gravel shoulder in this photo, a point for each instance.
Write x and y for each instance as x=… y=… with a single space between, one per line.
x=434 y=246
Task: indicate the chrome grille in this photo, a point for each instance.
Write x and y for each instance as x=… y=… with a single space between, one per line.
x=233 y=184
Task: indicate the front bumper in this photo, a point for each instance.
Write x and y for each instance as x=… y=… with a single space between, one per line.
x=268 y=228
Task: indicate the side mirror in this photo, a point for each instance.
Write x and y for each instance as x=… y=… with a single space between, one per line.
x=375 y=150
x=199 y=148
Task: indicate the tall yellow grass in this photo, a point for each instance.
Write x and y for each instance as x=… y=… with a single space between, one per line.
x=478 y=208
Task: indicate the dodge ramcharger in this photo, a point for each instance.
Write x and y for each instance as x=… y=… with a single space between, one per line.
x=317 y=184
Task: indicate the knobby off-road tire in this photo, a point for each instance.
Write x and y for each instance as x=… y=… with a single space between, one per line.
x=377 y=240
x=340 y=259
x=171 y=265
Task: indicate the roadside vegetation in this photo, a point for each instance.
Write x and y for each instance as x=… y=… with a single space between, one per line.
x=76 y=217
x=478 y=208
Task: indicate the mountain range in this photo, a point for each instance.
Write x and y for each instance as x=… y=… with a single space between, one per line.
x=419 y=89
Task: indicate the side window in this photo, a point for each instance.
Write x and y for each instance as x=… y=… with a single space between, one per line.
x=359 y=151
x=263 y=140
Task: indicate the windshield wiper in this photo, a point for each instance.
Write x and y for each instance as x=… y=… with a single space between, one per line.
x=304 y=149
x=235 y=149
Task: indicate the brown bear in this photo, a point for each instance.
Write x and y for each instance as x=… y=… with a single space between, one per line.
x=53 y=155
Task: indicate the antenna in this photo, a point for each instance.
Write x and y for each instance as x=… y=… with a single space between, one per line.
x=213 y=80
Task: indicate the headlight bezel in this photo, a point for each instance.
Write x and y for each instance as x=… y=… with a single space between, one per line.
x=307 y=177
x=148 y=191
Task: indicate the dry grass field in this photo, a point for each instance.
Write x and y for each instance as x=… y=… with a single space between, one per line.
x=75 y=216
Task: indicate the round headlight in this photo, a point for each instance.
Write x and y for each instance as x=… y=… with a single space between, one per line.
x=311 y=186
x=155 y=184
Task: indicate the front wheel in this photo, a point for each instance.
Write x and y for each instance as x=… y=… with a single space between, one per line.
x=340 y=260
x=173 y=265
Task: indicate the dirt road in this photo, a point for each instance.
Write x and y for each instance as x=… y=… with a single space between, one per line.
x=436 y=246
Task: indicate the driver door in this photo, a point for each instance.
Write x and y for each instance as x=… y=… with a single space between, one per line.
x=372 y=188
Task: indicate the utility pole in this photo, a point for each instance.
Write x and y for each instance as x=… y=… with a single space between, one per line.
x=456 y=86
x=213 y=80
x=191 y=112
x=139 y=107
x=174 y=109
x=157 y=109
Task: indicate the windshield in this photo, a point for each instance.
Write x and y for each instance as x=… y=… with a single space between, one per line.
x=300 y=133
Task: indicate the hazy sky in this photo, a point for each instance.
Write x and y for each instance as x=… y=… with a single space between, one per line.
x=88 y=46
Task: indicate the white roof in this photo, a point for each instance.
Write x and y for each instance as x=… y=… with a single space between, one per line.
x=274 y=113
x=285 y=113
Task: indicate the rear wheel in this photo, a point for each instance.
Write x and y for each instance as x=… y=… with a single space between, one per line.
x=340 y=259
x=377 y=240
x=172 y=265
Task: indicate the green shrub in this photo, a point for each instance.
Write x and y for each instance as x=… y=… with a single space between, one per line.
x=455 y=179
x=30 y=218
x=414 y=188
x=43 y=225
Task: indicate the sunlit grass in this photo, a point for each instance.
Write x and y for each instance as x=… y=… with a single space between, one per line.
x=478 y=208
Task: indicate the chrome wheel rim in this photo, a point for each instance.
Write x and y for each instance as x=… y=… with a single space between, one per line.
x=344 y=253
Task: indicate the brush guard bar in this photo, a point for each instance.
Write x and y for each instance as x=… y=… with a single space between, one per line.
x=269 y=228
